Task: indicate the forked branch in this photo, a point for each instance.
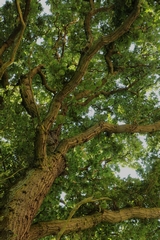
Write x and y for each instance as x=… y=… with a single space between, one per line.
x=77 y=206
x=83 y=65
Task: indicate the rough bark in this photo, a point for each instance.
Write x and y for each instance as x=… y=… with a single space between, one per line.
x=43 y=229
x=90 y=133
x=26 y=197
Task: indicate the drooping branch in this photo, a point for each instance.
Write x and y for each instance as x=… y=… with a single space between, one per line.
x=110 y=51
x=43 y=229
x=44 y=82
x=105 y=127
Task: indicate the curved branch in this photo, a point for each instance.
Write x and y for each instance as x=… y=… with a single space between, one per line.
x=88 y=17
x=27 y=94
x=44 y=82
x=90 y=133
x=20 y=13
x=43 y=229
x=110 y=51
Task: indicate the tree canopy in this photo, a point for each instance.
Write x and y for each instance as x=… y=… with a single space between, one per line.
x=79 y=99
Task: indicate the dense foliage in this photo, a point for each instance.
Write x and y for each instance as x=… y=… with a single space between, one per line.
x=80 y=84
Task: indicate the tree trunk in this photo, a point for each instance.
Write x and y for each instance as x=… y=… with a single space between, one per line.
x=25 y=199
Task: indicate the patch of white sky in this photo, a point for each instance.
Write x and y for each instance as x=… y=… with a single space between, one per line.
x=124 y=171
x=131 y=48
x=45 y=7
x=2 y=2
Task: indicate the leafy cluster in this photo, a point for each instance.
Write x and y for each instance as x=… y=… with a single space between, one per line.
x=119 y=85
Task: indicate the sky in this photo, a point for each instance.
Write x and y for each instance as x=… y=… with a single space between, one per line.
x=124 y=171
x=2 y=2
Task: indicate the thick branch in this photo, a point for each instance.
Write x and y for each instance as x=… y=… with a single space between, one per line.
x=84 y=62
x=112 y=37
x=77 y=206
x=78 y=224
x=105 y=127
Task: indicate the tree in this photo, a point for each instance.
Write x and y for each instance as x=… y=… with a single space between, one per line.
x=79 y=99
